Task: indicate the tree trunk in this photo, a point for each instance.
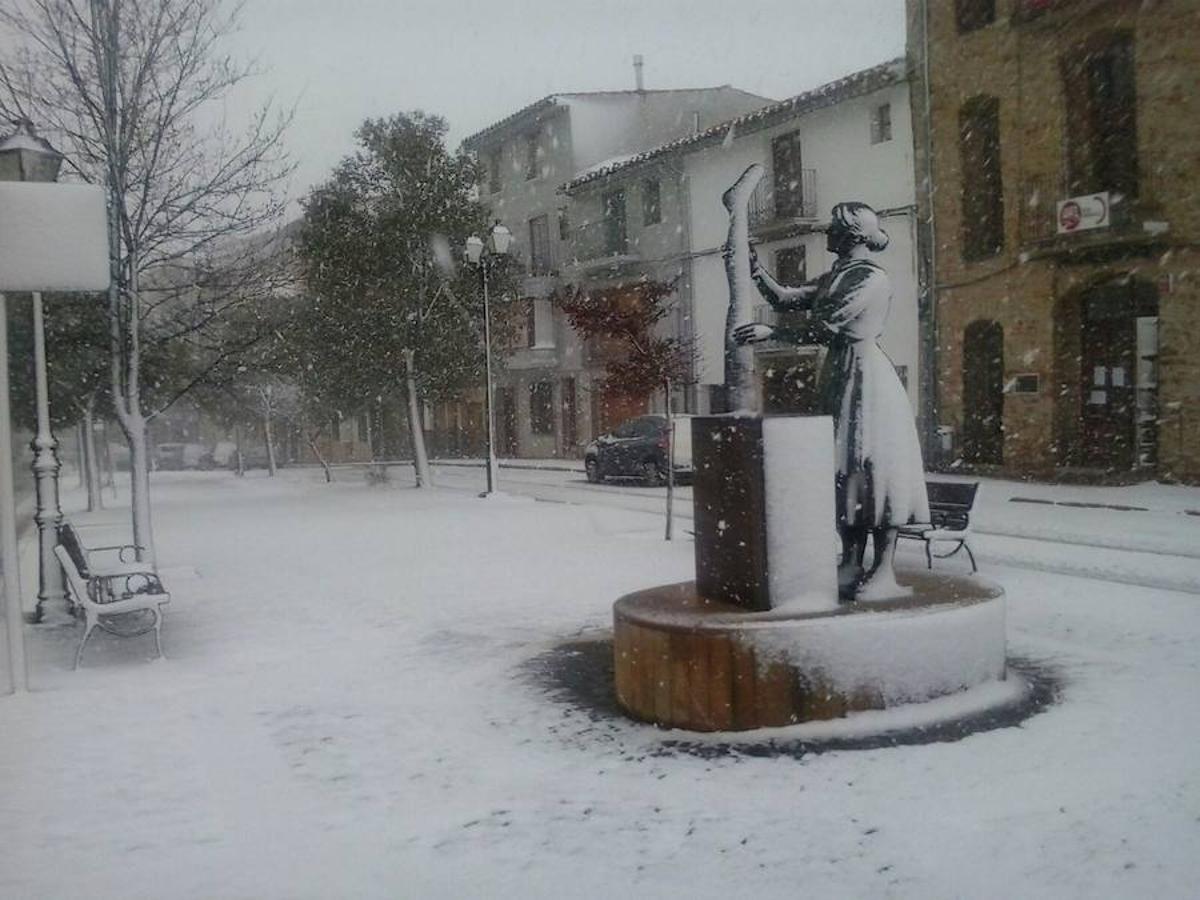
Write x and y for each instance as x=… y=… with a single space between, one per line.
x=269 y=434
x=312 y=445
x=240 y=468
x=670 y=465
x=109 y=465
x=377 y=439
x=127 y=394
x=90 y=462
x=420 y=458
x=272 y=468
x=139 y=484
x=80 y=462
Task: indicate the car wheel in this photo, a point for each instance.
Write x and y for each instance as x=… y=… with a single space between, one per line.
x=592 y=467
x=652 y=474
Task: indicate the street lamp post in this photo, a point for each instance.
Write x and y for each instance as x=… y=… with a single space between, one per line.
x=486 y=256
x=26 y=157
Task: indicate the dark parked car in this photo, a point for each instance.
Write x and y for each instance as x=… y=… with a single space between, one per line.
x=252 y=458
x=175 y=456
x=638 y=449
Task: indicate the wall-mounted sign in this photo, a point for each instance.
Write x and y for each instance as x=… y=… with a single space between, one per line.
x=1084 y=213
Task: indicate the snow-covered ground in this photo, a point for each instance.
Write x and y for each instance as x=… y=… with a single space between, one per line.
x=1143 y=534
x=345 y=712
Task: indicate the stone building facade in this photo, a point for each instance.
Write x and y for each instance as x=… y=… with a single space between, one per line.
x=1057 y=156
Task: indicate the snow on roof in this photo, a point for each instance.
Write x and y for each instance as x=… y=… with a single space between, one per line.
x=613 y=162
x=859 y=83
x=524 y=112
x=552 y=100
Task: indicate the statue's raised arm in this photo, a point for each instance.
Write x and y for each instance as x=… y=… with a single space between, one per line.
x=739 y=357
x=785 y=298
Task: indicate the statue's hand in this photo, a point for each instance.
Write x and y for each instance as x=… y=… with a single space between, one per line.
x=752 y=334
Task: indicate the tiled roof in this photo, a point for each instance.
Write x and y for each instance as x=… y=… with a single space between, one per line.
x=864 y=82
x=537 y=106
x=553 y=99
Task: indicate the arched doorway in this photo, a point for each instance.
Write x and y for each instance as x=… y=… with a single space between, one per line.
x=983 y=392
x=1118 y=348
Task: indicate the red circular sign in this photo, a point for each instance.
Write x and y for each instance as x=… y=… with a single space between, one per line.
x=1070 y=216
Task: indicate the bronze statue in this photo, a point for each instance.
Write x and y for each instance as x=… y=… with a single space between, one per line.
x=880 y=479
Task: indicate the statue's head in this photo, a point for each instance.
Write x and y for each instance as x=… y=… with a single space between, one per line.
x=854 y=223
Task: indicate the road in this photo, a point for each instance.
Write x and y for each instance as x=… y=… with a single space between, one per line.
x=1015 y=524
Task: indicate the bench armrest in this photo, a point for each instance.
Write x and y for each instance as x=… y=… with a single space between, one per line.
x=112 y=588
x=121 y=549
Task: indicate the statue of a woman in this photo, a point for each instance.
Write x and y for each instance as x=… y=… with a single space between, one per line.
x=880 y=476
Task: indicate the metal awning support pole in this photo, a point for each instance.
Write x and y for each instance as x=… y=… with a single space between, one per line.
x=9 y=558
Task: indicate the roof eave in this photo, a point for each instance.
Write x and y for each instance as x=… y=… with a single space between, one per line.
x=855 y=85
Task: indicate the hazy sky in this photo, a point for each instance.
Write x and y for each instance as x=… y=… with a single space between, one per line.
x=475 y=62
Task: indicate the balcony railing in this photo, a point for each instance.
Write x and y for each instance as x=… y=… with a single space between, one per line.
x=768 y=209
x=1036 y=218
x=600 y=241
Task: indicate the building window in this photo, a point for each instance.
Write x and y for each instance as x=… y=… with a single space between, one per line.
x=364 y=428
x=788 y=180
x=791 y=266
x=973 y=14
x=651 y=203
x=539 y=245
x=335 y=427
x=1101 y=97
x=881 y=123
x=541 y=407
x=564 y=226
x=493 y=171
x=531 y=323
x=532 y=168
x=616 y=240
x=982 y=183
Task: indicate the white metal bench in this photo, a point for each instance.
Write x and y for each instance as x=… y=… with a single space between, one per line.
x=103 y=596
x=950 y=505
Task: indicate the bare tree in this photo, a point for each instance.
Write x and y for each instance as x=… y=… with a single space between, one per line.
x=131 y=91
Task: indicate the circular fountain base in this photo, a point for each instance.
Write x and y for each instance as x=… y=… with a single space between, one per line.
x=683 y=661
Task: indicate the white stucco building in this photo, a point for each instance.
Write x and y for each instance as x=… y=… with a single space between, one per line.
x=850 y=139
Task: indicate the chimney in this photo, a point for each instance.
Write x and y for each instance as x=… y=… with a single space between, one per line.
x=637 y=72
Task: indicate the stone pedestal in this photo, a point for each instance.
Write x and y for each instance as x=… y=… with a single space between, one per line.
x=764 y=516
x=685 y=661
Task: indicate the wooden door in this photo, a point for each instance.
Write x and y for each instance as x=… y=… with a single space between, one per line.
x=1108 y=371
x=570 y=426
x=506 y=422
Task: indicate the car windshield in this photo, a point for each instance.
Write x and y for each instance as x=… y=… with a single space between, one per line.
x=643 y=426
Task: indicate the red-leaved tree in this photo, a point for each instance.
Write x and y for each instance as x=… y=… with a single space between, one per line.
x=644 y=356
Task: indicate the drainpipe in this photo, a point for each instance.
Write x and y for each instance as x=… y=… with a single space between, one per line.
x=927 y=231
